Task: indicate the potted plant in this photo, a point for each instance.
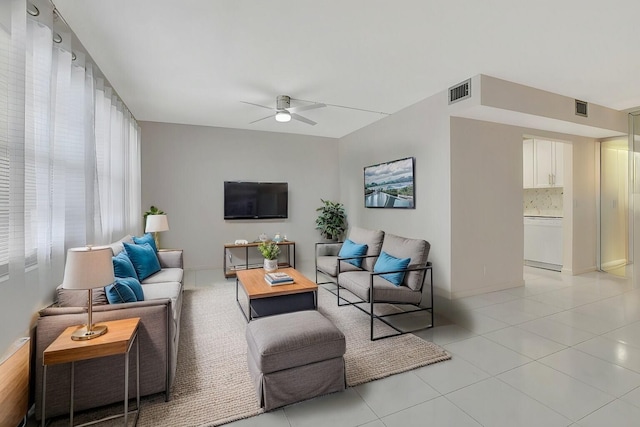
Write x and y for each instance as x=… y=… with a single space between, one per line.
x=332 y=219
x=153 y=211
x=270 y=252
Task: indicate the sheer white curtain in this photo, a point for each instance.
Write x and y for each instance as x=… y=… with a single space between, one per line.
x=69 y=148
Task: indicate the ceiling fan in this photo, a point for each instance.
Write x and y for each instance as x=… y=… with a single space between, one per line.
x=285 y=112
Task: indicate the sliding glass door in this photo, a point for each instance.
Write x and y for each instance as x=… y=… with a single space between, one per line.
x=634 y=168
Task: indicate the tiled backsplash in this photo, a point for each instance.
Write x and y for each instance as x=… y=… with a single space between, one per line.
x=543 y=201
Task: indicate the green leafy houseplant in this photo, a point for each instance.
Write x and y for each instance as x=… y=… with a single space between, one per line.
x=153 y=211
x=332 y=219
x=269 y=250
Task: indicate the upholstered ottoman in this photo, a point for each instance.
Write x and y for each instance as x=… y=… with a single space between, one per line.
x=294 y=356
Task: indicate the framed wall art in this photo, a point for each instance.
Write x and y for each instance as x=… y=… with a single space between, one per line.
x=390 y=184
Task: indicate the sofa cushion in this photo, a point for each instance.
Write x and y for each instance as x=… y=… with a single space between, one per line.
x=78 y=297
x=387 y=262
x=170 y=258
x=329 y=265
x=357 y=282
x=293 y=339
x=165 y=275
x=352 y=249
x=169 y=290
x=119 y=291
x=122 y=266
x=416 y=249
x=373 y=240
x=165 y=290
x=117 y=247
x=144 y=259
x=146 y=238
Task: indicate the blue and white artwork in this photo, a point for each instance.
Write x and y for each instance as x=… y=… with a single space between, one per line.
x=390 y=184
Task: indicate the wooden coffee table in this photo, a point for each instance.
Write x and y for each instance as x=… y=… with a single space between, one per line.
x=266 y=300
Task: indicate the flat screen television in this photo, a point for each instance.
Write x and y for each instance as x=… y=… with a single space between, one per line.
x=255 y=200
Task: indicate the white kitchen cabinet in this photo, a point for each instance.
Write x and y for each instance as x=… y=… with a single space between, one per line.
x=558 y=176
x=542 y=163
x=527 y=163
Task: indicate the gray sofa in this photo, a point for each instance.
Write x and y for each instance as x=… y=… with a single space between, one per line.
x=368 y=286
x=100 y=381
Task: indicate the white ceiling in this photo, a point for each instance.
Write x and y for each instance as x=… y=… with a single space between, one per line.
x=193 y=61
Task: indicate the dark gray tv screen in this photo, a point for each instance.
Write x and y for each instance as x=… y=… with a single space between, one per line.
x=255 y=200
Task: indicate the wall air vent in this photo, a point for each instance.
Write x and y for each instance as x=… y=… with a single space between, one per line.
x=581 y=109
x=460 y=91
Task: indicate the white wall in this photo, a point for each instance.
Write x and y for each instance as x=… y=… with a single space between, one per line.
x=468 y=193
x=583 y=204
x=19 y=306
x=487 y=238
x=514 y=97
x=487 y=229
x=420 y=131
x=184 y=167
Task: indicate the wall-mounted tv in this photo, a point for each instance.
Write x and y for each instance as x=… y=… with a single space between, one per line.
x=390 y=184
x=255 y=200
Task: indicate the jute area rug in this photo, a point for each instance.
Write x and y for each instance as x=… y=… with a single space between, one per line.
x=212 y=385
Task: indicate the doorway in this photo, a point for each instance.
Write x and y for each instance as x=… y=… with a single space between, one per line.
x=614 y=207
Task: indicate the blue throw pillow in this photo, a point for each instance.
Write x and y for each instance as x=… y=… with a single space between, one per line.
x=387 y=262
x=122 y=266
x=119 y=292
x=349 y=249
x=146 y=238
x=144 y=259
x=135 y=286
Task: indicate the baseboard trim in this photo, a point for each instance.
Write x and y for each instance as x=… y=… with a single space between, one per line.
x=487 y=289
x=545 y=265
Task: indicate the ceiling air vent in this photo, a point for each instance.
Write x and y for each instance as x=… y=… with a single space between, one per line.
x=581 y=108
x=460 y=91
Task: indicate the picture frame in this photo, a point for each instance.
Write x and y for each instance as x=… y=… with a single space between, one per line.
x=390 y=184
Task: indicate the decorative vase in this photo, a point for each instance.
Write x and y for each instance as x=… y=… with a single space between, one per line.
x=270 y=265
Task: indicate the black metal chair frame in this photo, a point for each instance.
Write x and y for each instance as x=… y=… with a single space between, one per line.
x=357 y=304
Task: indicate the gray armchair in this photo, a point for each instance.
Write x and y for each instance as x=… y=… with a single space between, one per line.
x=370 y=287
x=328 y=262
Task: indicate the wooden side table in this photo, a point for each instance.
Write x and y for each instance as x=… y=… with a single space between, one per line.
x=118 y=340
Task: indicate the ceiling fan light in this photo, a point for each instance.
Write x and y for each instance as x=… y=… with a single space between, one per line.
x=283 y=116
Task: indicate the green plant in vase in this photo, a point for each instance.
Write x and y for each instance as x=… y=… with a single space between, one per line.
x=270 y=251
x=153 y=211
x=332 y=220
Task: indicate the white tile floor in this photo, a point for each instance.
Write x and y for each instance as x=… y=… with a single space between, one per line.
x=560 y=351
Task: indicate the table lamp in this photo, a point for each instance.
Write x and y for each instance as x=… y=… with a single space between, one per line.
x=155 y=224
x=88 y=268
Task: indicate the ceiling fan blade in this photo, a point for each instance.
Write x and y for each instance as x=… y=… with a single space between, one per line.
x=303 y=119
x=306 y=107
x=264 y=118
x=257 y=105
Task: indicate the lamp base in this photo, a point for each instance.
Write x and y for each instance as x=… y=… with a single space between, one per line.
x=83 y=334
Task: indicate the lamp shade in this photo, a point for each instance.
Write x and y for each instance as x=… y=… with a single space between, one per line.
x=156 y=223
x=88 y=268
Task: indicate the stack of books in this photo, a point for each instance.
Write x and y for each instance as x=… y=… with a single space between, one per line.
x=274 y=279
